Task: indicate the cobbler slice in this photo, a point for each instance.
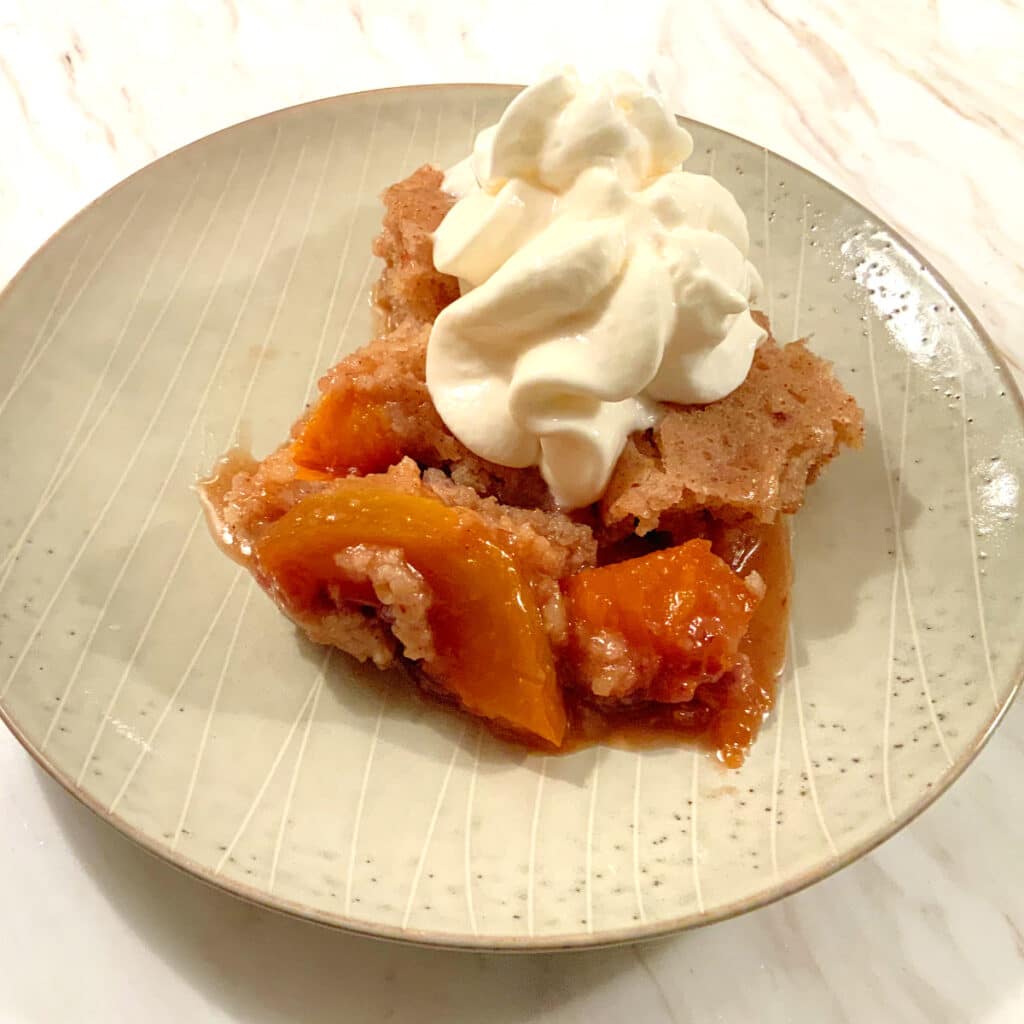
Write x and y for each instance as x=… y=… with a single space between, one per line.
x=660 y=608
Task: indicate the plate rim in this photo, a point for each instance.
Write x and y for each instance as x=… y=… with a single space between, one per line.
x=569 y=941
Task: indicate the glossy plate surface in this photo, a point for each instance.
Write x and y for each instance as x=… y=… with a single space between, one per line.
x=198 y=302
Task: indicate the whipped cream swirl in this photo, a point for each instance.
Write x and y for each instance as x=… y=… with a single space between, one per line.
x=598 y=280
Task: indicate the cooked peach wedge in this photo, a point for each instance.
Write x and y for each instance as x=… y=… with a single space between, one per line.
x=490 y=648
x=342 y=435
x=657 y=627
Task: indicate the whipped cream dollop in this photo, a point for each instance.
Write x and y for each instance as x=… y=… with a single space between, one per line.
x=598 y=280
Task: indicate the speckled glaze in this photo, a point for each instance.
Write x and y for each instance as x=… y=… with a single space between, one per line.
x=196 y=304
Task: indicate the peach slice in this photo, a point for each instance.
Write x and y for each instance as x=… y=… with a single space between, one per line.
x=342 y=435
x=492 y=651
x=682 y=612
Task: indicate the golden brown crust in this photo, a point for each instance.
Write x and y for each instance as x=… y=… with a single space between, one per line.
x=751 y=454
x=410 y=287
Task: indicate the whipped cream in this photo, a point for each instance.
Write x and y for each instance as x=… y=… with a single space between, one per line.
x=598 y=280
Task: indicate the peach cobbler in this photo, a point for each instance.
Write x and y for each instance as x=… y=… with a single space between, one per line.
x=555 y=483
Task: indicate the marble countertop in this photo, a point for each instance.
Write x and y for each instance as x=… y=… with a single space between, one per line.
x=915 y=113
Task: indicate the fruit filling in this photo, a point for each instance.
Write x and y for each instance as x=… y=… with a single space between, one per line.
x=487 y=646
x=656 y=628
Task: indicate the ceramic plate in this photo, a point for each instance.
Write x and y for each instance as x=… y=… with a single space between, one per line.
x=197 y=303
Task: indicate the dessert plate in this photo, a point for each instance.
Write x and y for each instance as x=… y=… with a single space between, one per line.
x=198 y=301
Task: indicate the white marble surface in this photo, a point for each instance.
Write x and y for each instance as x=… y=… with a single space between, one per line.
x=918 y=114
